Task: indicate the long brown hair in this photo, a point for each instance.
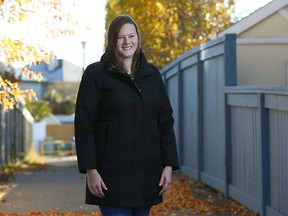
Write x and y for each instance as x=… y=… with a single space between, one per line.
x=112 y=56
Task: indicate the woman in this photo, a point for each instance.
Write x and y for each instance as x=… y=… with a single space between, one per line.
x=124 y=127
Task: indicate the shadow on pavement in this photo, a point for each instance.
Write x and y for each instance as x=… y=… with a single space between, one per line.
x=60 y=187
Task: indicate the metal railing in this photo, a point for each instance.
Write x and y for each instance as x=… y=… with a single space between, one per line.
x=57 y=147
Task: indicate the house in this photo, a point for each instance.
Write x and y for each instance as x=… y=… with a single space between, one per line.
x=52 y=127
x=65 y=119
x=262 y=45
x=56 y=70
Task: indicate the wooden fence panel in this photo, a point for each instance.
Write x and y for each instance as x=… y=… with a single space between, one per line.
x=189 y=150
x=195 y=84
x=232 y=138
x=259 y=121
x=278 y=120
x=15 y=134
x=246 y=174
x=214 y=122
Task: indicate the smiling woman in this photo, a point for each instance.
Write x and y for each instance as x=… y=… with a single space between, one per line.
x=124 y=44
x=124 y=137
x=127 y=42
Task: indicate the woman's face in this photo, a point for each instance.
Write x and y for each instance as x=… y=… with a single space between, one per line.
x=127 y=41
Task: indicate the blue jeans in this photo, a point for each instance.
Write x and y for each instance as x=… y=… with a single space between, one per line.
x=112 y=211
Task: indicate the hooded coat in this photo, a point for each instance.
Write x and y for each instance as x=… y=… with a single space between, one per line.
x=124 y=129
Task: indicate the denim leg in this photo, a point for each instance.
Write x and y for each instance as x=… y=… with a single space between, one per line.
x=141 y=211
x=113 y=211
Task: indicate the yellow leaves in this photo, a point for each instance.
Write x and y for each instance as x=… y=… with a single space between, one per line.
x=10 y=94
x=188 y=197
x=17 y=51
x=5 y=99
x=184 y=197
x=174 y=27
x=27 y=28
x=160 y=7
x=27 y=24
x=4 y=188
x=207 y=25
x=32 y=74
x=22 y=17
x=11 y=49
x=23 y=1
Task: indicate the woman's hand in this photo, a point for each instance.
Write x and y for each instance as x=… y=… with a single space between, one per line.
x=95 y=183
x=166 y=179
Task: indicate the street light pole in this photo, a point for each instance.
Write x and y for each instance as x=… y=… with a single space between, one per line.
x=83 y=46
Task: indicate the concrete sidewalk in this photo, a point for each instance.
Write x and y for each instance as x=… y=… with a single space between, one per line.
x=61 y=188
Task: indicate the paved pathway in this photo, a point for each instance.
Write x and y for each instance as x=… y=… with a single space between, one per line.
x=60 y=188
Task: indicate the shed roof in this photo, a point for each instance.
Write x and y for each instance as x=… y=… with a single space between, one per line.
x=256 y=17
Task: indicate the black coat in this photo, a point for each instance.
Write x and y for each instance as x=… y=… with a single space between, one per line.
x=124 y=129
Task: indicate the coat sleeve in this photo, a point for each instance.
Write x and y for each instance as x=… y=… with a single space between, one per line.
x=165 y=124
x=85 y=115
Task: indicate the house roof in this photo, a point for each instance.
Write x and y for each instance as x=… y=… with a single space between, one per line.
x=65 y=119
x=51 y=119
x=255 y=17
x=50 y=72
x=56 y=70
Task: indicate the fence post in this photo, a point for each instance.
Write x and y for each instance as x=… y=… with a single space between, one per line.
x=2 y=143
x=230 y=80
x=230 y=62
x=180 y=114
x=265 y=156
x=200 y=116
x=228 y=148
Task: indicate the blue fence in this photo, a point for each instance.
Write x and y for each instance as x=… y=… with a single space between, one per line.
x=15 y=134
x=259 y=148
x=229 y=136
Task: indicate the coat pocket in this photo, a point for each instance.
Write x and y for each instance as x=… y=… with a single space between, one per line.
x=102 y=135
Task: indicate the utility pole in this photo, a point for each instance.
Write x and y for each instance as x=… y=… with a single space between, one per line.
x=83 y=46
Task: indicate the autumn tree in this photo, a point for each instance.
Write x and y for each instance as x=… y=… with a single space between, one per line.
x=170 y=28
x=27 y=26
x=39 y=109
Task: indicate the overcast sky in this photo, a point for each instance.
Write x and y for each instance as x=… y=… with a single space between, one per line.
x=92 y=12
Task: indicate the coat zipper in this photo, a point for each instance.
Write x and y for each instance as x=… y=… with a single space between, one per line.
x=134 y=83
